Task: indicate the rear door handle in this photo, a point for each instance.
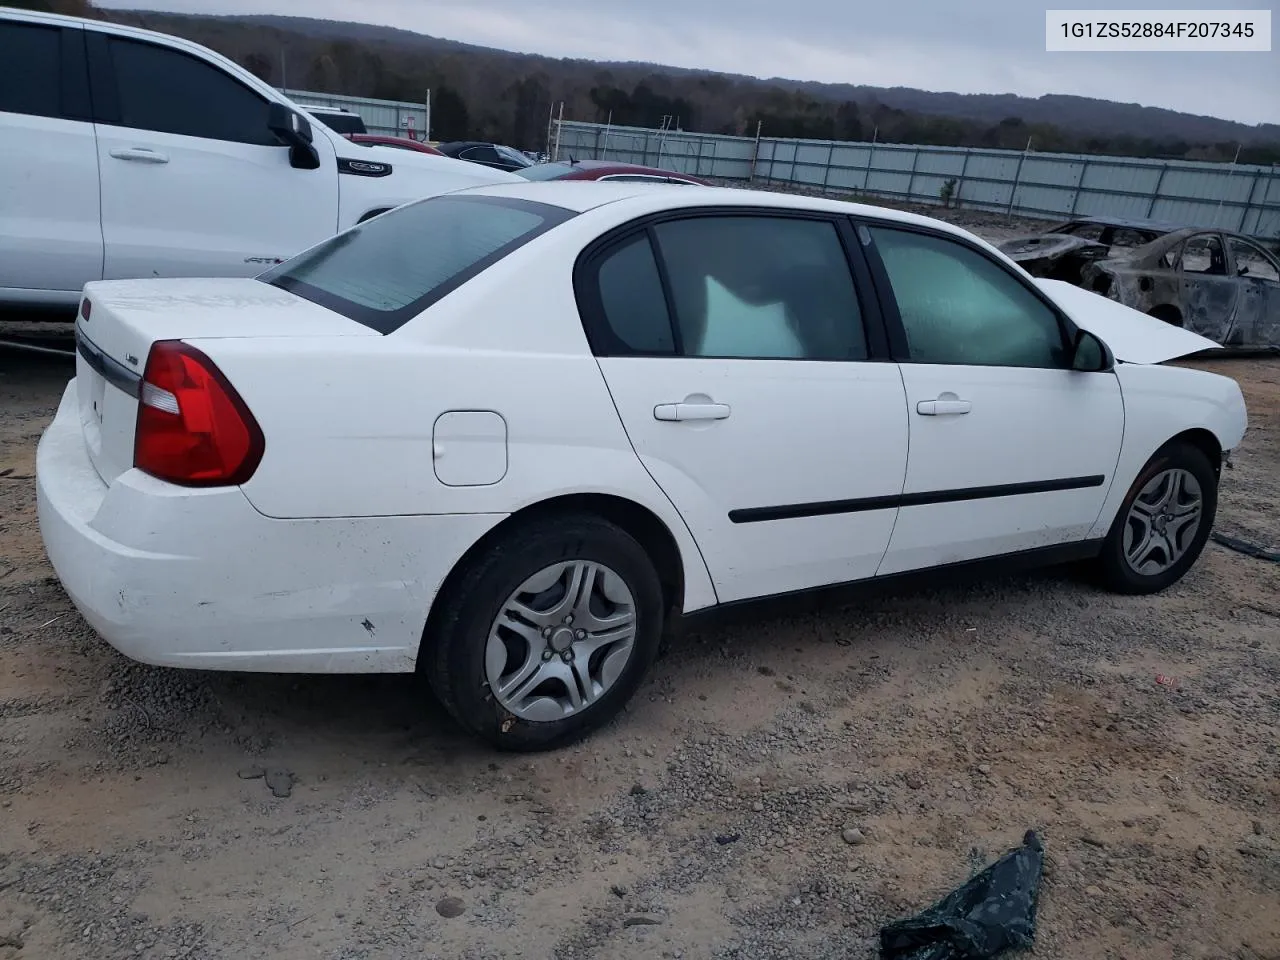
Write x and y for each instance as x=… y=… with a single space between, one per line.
x=140 y=155
x=948 y=407
x=691 y=411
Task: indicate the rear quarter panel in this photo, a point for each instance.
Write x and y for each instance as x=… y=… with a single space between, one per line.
x=349 y=422
x=1161 y=402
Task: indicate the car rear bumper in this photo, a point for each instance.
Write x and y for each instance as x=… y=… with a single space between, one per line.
x=199 y=579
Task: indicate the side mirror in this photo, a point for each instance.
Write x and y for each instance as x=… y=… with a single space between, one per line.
x=1089 y=354
x=294 y=130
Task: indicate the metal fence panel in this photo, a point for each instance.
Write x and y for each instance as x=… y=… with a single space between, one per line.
x=1053 y=186
x=387 y=117
x=1196 y=193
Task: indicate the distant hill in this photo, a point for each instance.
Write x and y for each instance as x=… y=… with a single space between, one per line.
x=1076 y=114
x=496 y=94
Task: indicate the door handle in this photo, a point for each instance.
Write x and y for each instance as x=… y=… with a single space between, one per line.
x=691 y=411
x=140 y=155
x=944 y=406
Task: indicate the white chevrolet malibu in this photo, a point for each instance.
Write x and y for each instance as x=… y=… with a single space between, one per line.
x=508 y=435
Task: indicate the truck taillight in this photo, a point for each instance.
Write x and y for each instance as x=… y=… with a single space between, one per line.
x=193 y=429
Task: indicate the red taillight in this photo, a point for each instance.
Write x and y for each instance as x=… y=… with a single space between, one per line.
x=193 y=429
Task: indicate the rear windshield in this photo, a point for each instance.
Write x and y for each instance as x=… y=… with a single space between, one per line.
x=341 y=122
x=387 y=270
x=544 y=171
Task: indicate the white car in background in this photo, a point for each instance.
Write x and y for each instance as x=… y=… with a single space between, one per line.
x=126 y=153
x=506 y=436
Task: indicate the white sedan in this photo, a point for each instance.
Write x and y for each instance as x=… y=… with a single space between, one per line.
x=507 y=436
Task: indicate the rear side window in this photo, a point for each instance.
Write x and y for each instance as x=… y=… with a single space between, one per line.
x=761 y=287
x=168 y=91
x=632 y=300
x=389 y=269
x=30 y=70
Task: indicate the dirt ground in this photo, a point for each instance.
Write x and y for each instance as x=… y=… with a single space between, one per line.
x=709 y=820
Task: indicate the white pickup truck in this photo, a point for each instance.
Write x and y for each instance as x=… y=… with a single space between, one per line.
x=128 y=154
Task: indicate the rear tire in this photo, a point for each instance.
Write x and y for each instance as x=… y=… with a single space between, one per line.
x=530 y=648
x=1163 y=523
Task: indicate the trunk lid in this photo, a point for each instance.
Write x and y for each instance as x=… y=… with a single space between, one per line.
x=1132 y=336
x=126 y=317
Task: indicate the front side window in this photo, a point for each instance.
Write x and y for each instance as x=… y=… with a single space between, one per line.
x=1203 y=254
x=168 y=91
x=30 y=70
x=761 y=287
x=958 y=307
x=387 y=270
x=1251 y=261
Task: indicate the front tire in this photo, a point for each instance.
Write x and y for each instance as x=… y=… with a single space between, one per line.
x=1164 y=522
x=545 y=637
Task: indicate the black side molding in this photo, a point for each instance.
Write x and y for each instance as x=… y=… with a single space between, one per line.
x=115 y=373
x=830 y=507
x=829 y=597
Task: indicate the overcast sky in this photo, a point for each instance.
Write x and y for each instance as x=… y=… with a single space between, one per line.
x=979 y=46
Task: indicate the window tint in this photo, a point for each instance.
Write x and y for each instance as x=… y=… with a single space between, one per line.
x=763 y=287
x=170 y=92
x=959 y=307
x=391 y=268
x=1252 y=262
x=30 y=70
x=631 y=296
x=1203 y=254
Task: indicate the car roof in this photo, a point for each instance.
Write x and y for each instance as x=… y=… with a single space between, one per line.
x=631 y=199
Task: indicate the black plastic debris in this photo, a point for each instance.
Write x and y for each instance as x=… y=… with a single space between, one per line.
x=995 y=911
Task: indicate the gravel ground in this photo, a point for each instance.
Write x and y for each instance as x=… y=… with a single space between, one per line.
x=779 y=788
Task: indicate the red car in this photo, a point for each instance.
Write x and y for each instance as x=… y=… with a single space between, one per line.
x=605 y=170
x=400 y=143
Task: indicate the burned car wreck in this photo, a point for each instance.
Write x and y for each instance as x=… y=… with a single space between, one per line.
x=1221 y=285
x=1065 y=250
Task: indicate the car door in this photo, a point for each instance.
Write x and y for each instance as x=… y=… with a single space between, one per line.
x=1010 y=449
x=754 y=386
x=50 y=224
x=1258 y=307
x=1210 y=295
x=193 y=181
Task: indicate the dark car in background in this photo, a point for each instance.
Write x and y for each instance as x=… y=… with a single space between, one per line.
x=605 y=170
x=494 y=155
x=1062 y=252
x=1221 y=285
